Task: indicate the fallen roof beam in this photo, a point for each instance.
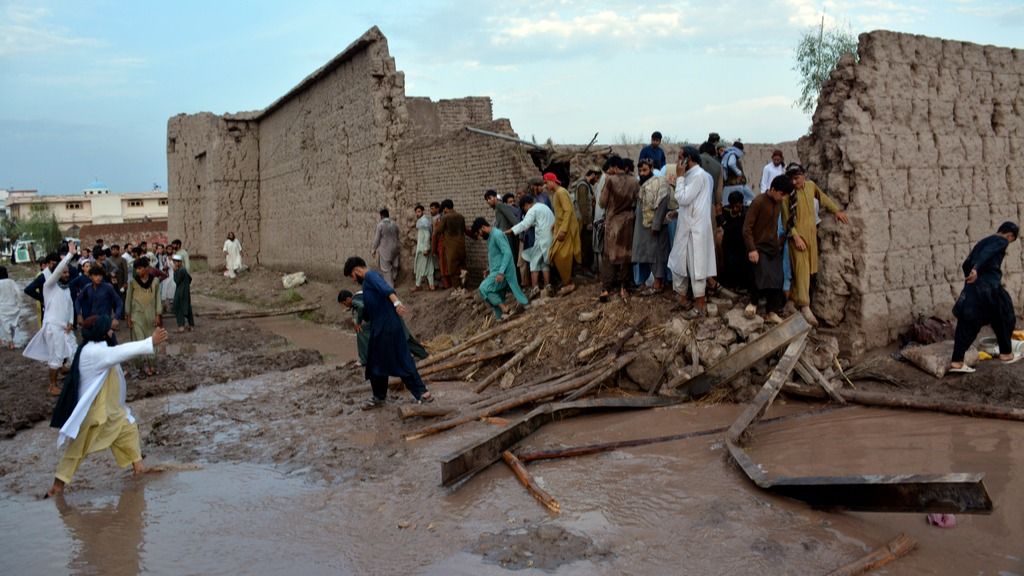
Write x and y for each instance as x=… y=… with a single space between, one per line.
x=735 y=363
x=504 y=137
x=468 y=461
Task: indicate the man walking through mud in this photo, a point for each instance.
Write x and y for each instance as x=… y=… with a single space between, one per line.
x=388 y=351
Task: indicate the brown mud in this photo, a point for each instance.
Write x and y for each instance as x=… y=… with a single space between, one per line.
x=273 y=466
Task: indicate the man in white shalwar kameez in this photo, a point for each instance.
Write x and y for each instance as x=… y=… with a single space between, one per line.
x=539 y=217
x=232 y=256
x=91 y=412
x=10 y=309
x=692 y=260
x=55 y=341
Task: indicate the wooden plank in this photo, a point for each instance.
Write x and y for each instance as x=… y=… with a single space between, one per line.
x=480 y=454
x=499 y=329
x=809 y=374
x=515 y=360
x=529 y=483
x=903 y=401
x=737 y=362
x=893 y=550
x=769 y=391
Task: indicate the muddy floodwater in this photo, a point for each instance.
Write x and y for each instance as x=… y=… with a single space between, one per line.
x=674 y=508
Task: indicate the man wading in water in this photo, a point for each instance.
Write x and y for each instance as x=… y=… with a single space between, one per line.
x=91 y=412
x=388 y=351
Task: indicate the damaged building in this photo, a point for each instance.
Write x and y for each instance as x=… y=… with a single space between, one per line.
x=301 y=182
x=920 y=140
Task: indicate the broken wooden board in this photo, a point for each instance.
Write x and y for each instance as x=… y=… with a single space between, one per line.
x=470 y=460
x=770 y=390
x=945 y=493
x=735 y=363
x=809 y=374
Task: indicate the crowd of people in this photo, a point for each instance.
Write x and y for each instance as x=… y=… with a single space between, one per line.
x=695 y=227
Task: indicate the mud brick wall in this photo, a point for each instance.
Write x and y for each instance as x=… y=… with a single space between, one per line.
x=461 y=166
x=213 y=182
x=327 y=160
x=922 y=141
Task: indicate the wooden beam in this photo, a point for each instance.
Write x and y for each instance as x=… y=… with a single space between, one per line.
x=769 y=391
x=809 y=374
x=460 y=362
x=903 y=401
x=737 y=362
x=529 y=483
x=893 y=550
x=481 y=337
x=512 y=363
x=423 y=411
x=466 y=462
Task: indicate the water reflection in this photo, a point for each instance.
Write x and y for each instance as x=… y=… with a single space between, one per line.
x=107 y=539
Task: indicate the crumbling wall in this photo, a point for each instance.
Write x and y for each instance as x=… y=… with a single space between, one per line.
x=429 y=118
x=213 y=182
x=461 y=165
x=327 y=160
x=922 y=142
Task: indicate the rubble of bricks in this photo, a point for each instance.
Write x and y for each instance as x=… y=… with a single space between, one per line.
x=922 y=141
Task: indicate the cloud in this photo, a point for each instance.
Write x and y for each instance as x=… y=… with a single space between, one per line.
x=26 y=30
x=620 y=27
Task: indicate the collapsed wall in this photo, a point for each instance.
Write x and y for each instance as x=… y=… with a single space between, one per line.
x=922 y=142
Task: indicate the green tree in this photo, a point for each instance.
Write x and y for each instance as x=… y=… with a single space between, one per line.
x=816 y=56
x=41 y=226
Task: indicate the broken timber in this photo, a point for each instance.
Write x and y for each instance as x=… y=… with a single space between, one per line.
x=735 y=363
x=809 y=374
x=507 y=366
x=895 y=549
x=445 y=354
x=529 y=483
x=466 y=462
x=945 y=493
x=243 y=314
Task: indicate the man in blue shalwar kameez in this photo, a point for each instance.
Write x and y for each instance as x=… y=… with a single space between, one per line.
x=501 y=268
x=388 y=352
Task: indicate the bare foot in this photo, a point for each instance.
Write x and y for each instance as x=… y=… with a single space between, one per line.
x=138 y=468
x=56 y=489
x=54 y=391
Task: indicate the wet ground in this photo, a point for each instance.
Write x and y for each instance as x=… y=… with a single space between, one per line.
x=270 y=466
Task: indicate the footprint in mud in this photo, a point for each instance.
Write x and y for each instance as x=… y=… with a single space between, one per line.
x=543 y=546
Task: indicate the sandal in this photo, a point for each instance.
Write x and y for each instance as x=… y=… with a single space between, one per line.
x=603 y=298
x=965 y=369
x=1016 y=358
x=425 y=398
x=373 y=403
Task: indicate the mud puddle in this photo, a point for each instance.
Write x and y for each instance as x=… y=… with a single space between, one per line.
x=221 y=519
x=869 y=441
x=335 y=345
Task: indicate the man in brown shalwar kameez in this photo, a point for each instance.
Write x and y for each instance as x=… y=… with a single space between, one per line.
x=618 y=198
x=453 y=230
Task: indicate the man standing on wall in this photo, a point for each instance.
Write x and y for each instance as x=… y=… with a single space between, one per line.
x=618 y=199
x=984 y=300
x=453 y=228
x=582 y=194
x=799 y=217
x=565 y=251
x=388 y=350
x=387 y=247
x=653 y=152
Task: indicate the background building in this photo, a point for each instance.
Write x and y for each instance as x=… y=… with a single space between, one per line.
x=95 y=205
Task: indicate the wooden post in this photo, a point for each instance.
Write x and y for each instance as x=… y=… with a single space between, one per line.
x=809 y=374
x=522 y=354
x=460 y=362
x=886 y=400
x=770 y=389
x=896 y=548
x=515 y=402
x=531 y=486
x=499 y=329
x=423 y=411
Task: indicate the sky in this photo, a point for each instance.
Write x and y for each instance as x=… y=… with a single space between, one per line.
x=87 y=86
